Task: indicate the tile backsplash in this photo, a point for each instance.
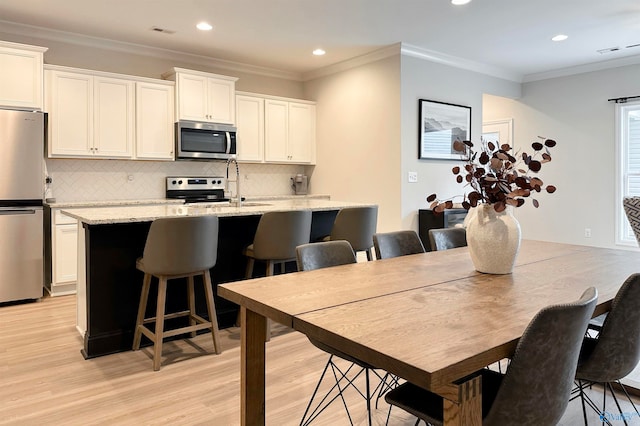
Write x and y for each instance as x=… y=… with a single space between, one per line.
x=97 y=180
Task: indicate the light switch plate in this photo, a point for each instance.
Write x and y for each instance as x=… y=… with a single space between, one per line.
x=413 y=177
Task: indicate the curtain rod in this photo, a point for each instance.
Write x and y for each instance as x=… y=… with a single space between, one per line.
x=622 y=100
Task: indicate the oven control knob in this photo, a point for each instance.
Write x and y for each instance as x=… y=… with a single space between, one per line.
x=219 y=182
x=173 y=182
x=179 y=182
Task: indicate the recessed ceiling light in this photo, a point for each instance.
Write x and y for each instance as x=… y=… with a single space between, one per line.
x=560 y=37
x=204 y=26
x=459 y=2
x=319 y=52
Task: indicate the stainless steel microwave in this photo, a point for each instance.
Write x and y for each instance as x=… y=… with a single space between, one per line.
x=205 y=141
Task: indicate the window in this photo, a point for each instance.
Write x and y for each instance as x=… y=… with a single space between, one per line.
x=628 y=185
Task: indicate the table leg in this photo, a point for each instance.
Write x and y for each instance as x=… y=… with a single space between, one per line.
x=252 y=374
x=467 y=409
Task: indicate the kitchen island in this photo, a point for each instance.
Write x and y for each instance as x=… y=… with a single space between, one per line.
x=110 y=240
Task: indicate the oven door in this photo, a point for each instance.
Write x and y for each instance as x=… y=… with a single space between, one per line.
x=205 y=141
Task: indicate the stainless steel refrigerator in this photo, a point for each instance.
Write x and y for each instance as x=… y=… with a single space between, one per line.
x=21 y=191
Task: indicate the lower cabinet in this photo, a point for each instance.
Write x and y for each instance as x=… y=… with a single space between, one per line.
x=62 y=278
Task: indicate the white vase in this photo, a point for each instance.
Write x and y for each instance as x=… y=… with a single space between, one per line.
x=493 y=239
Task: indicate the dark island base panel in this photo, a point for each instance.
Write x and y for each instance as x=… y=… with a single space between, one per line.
x=114 y=283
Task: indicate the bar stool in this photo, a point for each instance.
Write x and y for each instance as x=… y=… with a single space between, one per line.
x=177 y=248
x=356 y=225
x=277 y=236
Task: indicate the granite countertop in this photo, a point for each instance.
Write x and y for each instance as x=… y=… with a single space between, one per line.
x=152 y=201
x=147 y=213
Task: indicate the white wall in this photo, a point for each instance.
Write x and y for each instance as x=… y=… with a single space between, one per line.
x=574 y=111
x=358 y=130
x=428 y=80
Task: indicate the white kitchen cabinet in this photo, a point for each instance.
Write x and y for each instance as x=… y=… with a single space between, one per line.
x=154 y=121
x=89 y=116
x=114 y=117
x=289 y=132
x=203 y=96
x=64 y=254
x=250 y=124
x=21 y=76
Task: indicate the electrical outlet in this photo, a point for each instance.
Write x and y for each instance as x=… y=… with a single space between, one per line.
x=587 y=232
x=413 y=177
x=130 y=177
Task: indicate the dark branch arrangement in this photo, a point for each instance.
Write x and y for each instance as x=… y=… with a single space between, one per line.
x=498 y=177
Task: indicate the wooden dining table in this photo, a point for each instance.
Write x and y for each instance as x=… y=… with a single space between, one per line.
x=429 y=318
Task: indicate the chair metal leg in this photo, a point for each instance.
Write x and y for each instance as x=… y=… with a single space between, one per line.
x=159 y=331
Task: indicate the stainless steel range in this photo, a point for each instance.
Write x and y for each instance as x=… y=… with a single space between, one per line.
x=197 y=189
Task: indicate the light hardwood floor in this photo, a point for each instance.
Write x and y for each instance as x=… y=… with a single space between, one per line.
x=44 y=379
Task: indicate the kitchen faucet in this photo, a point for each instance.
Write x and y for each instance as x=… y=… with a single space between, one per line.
x=238 y=202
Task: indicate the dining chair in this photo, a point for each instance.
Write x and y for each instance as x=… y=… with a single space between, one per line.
x=397 y=243
x=356 y=225
x=616 y=350
x=447 y=238
x=177 y=248
x=536 y=387
x=323 y=255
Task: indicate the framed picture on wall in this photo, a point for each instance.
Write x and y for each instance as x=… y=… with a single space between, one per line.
x=441 y=124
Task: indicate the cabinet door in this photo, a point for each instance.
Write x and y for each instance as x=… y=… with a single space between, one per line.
x=301 y=132
x=21 y=78
x=65 y=254
x=113 y=117
x=221 y=101
x=250 y=124
x=70 y=107
x=276 y=131
x=154 y=121
x=192 y=97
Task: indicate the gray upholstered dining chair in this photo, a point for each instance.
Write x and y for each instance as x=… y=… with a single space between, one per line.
x=447 y=238
x=177 y=248
x=398 y=243
x=276 y=238
x=323 y=255
x=616 y=350
x=356 y=225
x=536 y=387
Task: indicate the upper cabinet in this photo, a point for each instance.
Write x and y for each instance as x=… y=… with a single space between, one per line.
x=103 y=115
x=202 y=96
x=21 y=76
x=250 y=124
x=275 y=130
x=290 y=129
x=154 y=121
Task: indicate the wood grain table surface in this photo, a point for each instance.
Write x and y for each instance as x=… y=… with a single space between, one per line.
x=429 y=318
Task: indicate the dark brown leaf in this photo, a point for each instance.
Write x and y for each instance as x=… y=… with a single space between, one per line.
x=466 y=205
x=448 y=204
x=537 y=146
x=468 y=143
x=535 y=202
x=520 y=202
x=433 y=205
x=535 y=165
x=431 y=197
x=551 y=189
x=496 y=163
x=505 y=147
x=456 y=170
x=499 y=206
x=484 y=158
x=459 y=146
x=459 y=179
x=550 y=143
x=491 y=146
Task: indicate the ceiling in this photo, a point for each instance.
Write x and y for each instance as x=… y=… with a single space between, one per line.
x=508 y=35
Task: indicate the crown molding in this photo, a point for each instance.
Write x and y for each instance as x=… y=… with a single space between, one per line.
x=373 y=56
x=454 y=61
x=581 y=69
x=142 y=50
